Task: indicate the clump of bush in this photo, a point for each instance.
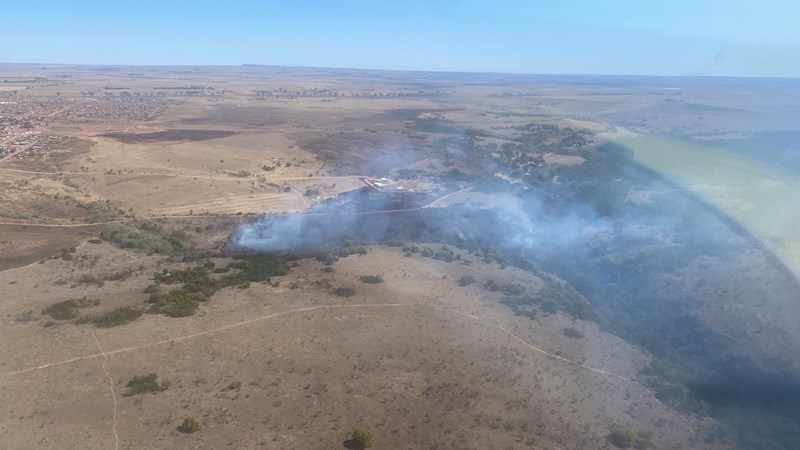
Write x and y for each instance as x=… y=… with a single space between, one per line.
x=362 y=438
x=142 y=238
x=88 y=278
x=69 y=309
x=327 y=258
x=372 y=279
x=142 y=384
x=343 y=291
x=466 y=280
x=509 y=289
x=198 y=285
x=446 y=255
x=190 y=425
x=395 y=242
x=623 y=437
x=113 y=318
x=410 y=249
x=176 y=303
x=357 y=250
x=573 y=333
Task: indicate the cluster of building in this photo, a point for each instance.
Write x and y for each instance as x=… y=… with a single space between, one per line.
x=23 y=117
x=18 y=132
x=397 y=194
x=121 y=108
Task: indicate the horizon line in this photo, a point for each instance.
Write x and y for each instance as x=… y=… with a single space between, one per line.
x=429 y=71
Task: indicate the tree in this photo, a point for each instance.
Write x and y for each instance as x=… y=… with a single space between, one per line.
x=362 y=438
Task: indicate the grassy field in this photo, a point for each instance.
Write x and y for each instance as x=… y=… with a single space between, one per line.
x=150 y=170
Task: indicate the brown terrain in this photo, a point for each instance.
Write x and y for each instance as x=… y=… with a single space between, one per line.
x=420 y=360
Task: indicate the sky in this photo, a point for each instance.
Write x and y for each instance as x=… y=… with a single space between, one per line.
x=674 y=37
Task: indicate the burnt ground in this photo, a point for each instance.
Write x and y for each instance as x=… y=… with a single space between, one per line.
x=169 y=135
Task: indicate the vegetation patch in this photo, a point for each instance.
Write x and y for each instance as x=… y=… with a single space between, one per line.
x=466 y=280
x=69 y=309
x=142 y=384
x=169 y=135
x=362 y=438
x=88 y=278
x=142 y=238
x=573 y=333
x=623 y=437
x=190 y=425
x=113 y=318
x=550 y=299
x=99 y=211
x=372 y=279
x=199 y=285
x=343 y=291
x=410 y=249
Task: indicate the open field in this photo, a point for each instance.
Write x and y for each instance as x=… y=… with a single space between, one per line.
x=298 y=354
x=500 y=261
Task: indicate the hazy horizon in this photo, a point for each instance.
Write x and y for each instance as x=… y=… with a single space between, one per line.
x=735 y=38
x=424 y=71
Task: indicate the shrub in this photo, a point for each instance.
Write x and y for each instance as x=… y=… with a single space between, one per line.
x=176 y=303
x=113 y=318
x=395 y=242
x=68 y=309
x=372 y=279
x=573 y=333
x=190 y=425
x=623 y=437
x=142 y=384
x=410 y=249
x=357 y=250
x=88 y=278
x=362 y=438
x=466 y=280
x=343 y=291
x=446 y=255
x=327 y=258
x=127 y=236
x=199 y=286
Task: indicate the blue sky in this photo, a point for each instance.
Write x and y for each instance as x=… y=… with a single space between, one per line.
x=674 y=37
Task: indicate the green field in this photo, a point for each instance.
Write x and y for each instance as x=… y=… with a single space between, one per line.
x=763 y=199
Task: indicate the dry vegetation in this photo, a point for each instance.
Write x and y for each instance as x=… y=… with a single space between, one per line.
x=116 y=235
